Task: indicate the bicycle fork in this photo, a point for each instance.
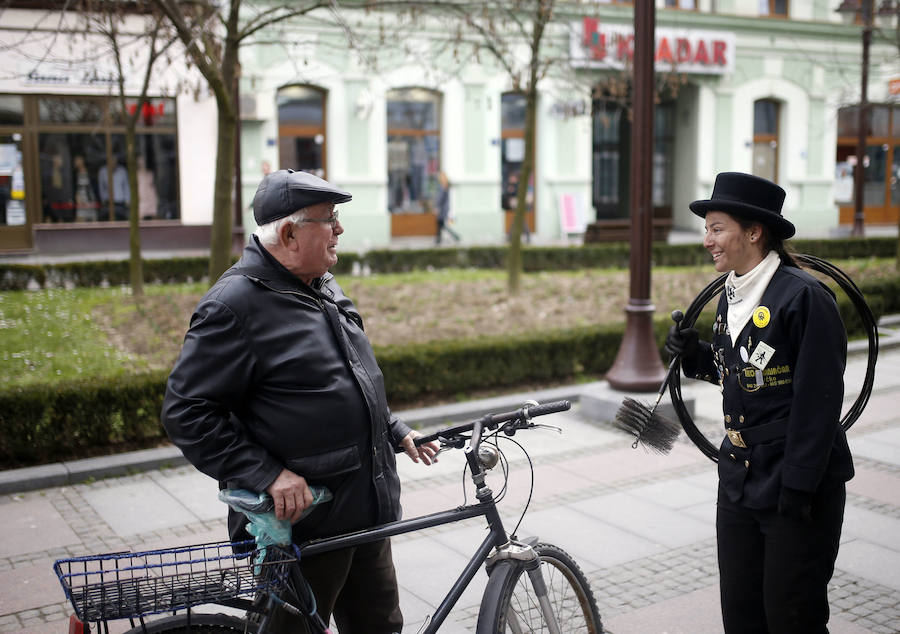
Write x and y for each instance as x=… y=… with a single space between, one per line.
x=525 y=552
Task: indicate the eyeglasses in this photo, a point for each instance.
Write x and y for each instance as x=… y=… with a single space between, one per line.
x=332 y=219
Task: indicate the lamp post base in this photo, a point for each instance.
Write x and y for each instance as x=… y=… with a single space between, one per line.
x=637 y=367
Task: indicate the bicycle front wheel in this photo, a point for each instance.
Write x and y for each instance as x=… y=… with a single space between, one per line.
x=511 y=605
x=200 y=623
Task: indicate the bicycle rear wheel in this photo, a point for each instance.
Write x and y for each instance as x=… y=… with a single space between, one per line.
x=202 y=623
x=510 y=604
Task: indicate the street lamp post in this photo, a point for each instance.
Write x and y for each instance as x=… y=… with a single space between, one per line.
x=637 y=366
x=859 y=171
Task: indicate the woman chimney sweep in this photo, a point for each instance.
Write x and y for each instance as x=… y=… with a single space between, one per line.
x=778 y=350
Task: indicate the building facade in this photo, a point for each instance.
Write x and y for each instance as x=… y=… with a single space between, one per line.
x=762 y=86
x=63 y=183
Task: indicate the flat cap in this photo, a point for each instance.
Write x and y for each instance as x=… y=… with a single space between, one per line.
x=283 y=192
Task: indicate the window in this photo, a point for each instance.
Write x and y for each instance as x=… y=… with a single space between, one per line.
x=765 y=139
x=688 y=5
x=301 y=129
x=881 y=162
x=82 y=162
x=607 y=131
x=512 y=151
x=776 y=8
x=413 y=147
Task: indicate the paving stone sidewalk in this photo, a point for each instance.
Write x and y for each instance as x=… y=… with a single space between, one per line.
x=640 y=525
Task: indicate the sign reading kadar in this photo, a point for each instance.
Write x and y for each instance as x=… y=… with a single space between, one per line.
x=599 y=45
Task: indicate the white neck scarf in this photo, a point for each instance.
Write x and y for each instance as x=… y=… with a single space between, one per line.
x=743 y=292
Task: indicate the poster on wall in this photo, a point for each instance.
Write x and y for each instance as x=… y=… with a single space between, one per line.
x=571 y=213
x=15 y=213
x=843 y=182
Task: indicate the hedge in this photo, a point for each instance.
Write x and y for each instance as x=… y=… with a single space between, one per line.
x=66 y=420
x=558 y=258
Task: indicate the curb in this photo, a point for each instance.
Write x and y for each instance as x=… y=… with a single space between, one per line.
x=79 y=471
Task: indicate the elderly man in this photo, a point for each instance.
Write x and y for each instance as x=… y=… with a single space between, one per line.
x=277 y=388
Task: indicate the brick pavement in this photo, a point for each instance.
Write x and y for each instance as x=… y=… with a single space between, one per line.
x=640 y=525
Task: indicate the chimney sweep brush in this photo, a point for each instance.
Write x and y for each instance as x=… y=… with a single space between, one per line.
x=650 y=429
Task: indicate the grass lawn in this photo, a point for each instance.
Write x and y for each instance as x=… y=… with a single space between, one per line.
x=50 y=334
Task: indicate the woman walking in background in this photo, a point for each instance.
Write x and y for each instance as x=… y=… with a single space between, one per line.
x=778 y=351
x=442 y=204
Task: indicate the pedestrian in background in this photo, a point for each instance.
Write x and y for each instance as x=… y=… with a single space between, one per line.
x=277 y=389
x=778 y=350
x=442 y=205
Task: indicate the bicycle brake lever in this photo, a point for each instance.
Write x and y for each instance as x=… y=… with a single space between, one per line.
x=558 y=430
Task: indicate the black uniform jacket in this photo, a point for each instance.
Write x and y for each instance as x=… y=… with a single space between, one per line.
x=275 y=374
x=786 y=368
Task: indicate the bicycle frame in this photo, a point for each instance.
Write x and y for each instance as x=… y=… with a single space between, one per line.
x=496 y=547
x=486 y=507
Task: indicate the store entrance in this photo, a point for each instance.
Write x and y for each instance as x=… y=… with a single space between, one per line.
x=15 y=227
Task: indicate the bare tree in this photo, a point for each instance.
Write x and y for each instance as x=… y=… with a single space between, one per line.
x=108 y=19
x=510 y=34
x=213 y=33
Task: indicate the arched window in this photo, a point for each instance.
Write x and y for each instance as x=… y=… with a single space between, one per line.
x=413 y=146
x=301 y=129
x=765 y=139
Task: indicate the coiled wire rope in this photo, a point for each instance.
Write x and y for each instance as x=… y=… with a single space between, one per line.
x=715 y=287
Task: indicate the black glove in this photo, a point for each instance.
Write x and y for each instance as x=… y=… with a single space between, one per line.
x=795 y=504
x=683 y=341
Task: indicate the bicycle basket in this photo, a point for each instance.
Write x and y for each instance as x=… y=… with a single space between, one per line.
x=122 y=585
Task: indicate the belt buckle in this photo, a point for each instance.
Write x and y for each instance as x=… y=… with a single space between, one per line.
x=736 y=439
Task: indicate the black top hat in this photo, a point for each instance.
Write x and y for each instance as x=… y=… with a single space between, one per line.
x=283 y=192
x=748 y=197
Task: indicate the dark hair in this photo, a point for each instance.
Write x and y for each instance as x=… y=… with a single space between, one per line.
x=769 y=242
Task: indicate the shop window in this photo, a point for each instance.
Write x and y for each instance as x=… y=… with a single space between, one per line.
x=81 y=161
x=607 y=133
x=11 y=110
x=68 y=110
x=663 y=150
x=413 y=147
x=881 y=163
x=611 y=156
x=301 y=129
x=765 y=139
x=776 y=8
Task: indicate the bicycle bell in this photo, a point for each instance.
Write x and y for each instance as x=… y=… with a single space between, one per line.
x=488 y=456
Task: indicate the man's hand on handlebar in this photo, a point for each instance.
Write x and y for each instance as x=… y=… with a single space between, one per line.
x=426 y=451
x=290 y=494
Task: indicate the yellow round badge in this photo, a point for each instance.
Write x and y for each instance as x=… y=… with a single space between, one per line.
x=761 y=316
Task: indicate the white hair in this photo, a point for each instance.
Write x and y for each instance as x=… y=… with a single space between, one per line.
x=268 y=233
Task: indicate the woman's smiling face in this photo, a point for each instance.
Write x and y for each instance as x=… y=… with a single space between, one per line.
x=731 y=245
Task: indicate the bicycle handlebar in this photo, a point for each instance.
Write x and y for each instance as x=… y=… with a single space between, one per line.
x=492 y=421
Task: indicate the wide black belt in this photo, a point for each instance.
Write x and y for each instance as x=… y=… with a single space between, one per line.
x=758 y=433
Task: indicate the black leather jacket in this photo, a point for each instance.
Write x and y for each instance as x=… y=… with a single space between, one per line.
x=798 y=392
x=276 y=374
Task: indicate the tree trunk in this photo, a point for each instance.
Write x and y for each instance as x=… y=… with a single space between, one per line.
x=135 y=265
x=514 y=257
x=220 y=239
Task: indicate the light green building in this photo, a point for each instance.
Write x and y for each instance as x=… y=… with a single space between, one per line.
x=762 y=87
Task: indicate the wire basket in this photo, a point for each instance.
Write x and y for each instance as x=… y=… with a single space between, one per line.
x=123 y=585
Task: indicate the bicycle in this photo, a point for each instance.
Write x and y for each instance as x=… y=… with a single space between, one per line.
x=532 y=586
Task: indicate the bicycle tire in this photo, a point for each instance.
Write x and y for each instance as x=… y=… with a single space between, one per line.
x=509 y=591
x=202 y=623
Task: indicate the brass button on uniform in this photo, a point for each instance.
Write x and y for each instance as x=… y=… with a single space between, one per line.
x=731 y=455
x=727 y=418
x=747 y=464
x=741 y=418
